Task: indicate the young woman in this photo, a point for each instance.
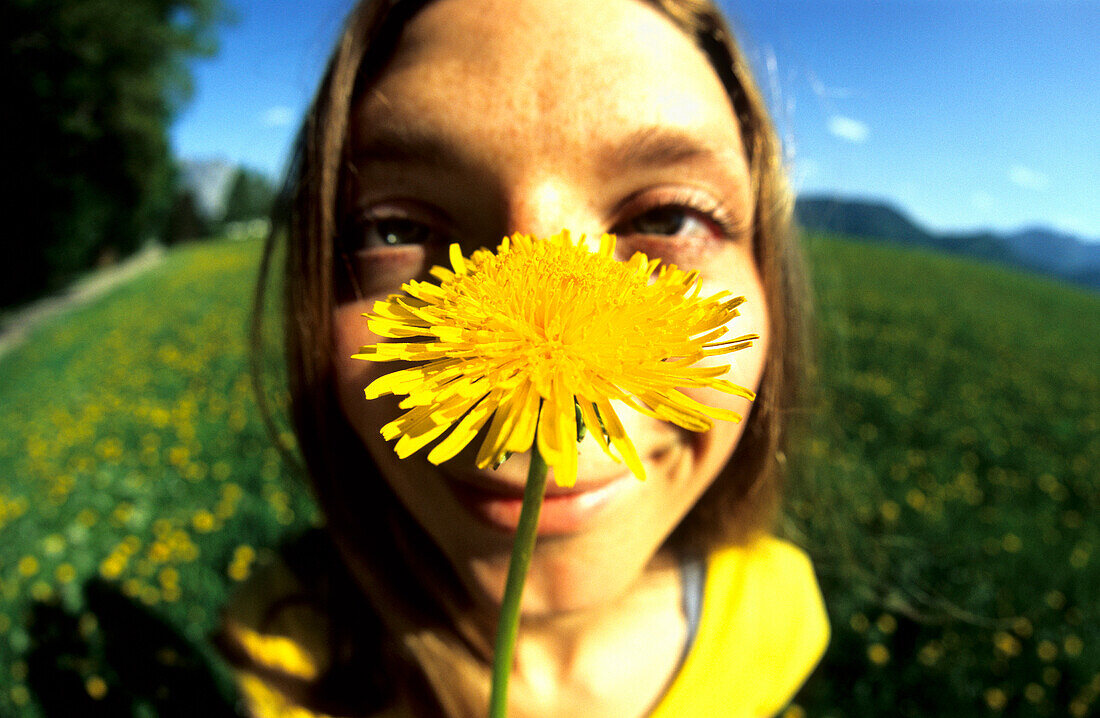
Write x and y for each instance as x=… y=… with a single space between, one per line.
x=465 y=121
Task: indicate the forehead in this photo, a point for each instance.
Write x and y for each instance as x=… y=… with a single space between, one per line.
x=544 y=79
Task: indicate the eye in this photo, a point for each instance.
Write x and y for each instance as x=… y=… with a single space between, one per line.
x=667 y=220
x=394 y=232
x=685 y=213
x=396 y=223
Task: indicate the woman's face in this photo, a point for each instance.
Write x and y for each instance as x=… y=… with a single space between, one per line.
x=501 y=116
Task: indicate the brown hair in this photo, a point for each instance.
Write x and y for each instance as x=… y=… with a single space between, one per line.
x=360 y=508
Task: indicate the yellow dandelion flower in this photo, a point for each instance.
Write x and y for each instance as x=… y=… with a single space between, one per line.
x=20 y=695
x=168 y=576
x=203 y=521
x=96 y=687
x=112 y=566
x=1034 y=692
x=1006 y=643
x=549 y=323
x=41 y=591
x=28 y=566
x=931 y=653
x=996 y=698
x=1047 y=650
x=878 y=654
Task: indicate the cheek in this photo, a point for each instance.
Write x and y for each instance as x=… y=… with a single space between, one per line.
x=368 y=417
x=353 y=375
x=735 y=273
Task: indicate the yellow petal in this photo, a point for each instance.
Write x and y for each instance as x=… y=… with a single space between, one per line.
x=466 y=430
x=592 y=421
x=620 y=440
x=523 y=434
x=492 y=448
x=412 y=442
x=457 y=261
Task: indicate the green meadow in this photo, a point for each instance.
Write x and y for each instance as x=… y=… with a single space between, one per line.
x=945 y=481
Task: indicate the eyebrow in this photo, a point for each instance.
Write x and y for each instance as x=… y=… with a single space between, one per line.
x=407 y=145
x=653 y=146
x=659 y=147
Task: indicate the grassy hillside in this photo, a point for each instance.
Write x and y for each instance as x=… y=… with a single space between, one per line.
x=137 y=485
x=947 y=485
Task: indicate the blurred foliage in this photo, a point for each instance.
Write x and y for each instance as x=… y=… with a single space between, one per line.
x=186 y=221
x=947 y=487
x=247 y=197
x=91 y=87
x=250 y=196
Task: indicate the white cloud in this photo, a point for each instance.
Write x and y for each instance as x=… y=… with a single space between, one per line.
x=848 y=129
x=278 y=116
x=830 y=93
x=1028 y=178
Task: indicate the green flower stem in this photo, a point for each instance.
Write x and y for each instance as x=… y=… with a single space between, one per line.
x=522 y=548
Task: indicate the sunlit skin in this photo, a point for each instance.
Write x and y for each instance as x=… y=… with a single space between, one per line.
x=596 y=117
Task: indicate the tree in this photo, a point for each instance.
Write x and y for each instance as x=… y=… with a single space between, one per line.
x=250 y=196
x=185 y=221
x=91 y=88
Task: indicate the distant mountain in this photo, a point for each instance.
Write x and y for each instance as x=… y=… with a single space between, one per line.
x=859 y=218
x=1036 y=249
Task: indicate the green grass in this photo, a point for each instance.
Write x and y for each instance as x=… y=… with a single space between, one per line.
x=947 y=487
x=133 y=457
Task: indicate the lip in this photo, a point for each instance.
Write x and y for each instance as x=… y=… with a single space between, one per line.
x=497 y=503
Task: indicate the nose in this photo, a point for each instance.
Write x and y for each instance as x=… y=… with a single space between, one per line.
x=545 y=206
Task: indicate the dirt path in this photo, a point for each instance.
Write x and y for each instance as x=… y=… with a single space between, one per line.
x=15 y=327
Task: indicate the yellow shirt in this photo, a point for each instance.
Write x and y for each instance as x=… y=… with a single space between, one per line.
x=762 y=630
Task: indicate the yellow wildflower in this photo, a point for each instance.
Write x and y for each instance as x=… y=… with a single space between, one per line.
x=28 y=566
x=1047 y=650
x=996 y=698
x=878 y=653
x=96 y=687
x=549 y=323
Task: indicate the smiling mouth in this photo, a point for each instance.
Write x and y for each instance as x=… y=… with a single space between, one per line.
x=497 y=502
x=561 y=513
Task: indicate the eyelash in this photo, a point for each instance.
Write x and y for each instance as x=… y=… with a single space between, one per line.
x=703 y=206
x=361 y=225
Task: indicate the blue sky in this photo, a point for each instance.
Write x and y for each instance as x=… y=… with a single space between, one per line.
x=965 y=113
